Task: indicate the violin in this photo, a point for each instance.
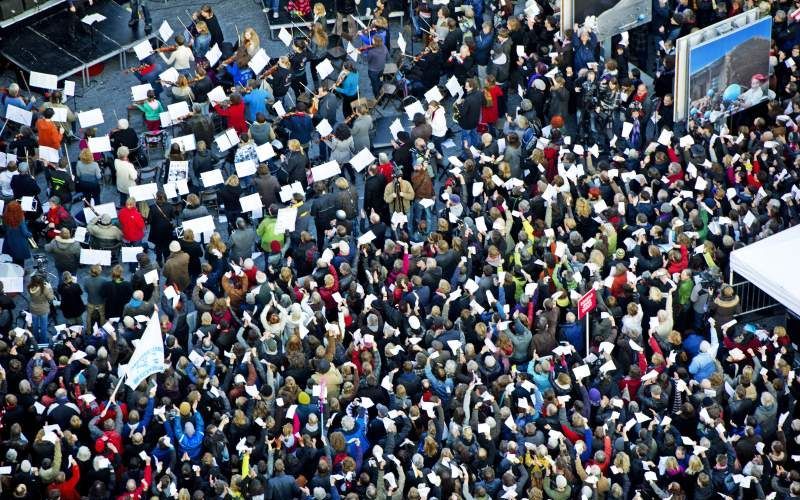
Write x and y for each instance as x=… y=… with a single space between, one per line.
x=272 y=69
x=341 y=78
x=137 y=69
x=423 y=53
x=167 y=48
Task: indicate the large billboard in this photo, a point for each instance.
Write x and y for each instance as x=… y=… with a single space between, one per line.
x=610 y=16
x=730 y=73
x=684 y=45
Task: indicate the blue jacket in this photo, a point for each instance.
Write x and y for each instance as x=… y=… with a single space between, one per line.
x=573 y=333
x=255 y=102
x=349 y=86
x=358 y=432
x=442 y=389
x=16 y=243
x=483 y=46
x=584 y=53
x=300 y=127
x=192 y=445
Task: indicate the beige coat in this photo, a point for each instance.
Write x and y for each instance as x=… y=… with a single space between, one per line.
x=399 y=197
x=176 y=270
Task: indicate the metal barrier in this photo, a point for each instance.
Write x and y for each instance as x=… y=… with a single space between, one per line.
x=752 y=298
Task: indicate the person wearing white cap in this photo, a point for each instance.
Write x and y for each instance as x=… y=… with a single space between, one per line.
x=176 y=267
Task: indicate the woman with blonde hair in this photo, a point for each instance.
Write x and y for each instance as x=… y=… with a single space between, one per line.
x=318 y=44
x=229 y=196
x=181 y=91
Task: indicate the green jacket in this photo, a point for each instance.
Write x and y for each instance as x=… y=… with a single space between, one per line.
x=151 y=114
x=266 y=231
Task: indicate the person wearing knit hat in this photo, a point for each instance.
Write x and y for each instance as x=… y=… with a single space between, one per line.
x=303 y=398
x=185 y=409
x=174 y=246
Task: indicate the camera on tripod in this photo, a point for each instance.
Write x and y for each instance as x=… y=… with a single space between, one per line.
x=40 y=264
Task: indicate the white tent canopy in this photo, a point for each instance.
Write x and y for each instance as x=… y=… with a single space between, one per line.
x=773 y=265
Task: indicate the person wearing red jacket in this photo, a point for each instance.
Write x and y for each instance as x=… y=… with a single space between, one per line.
x=233 y=113
x=56 y=216
x=131 y=222
x=134 y=492
x=331 y=287
x=68 y=489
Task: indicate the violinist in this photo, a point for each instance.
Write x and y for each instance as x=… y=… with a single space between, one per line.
x=280 y=78
x=347 y=86
x=298 y=60
x=255 y=100
x=251 y=41
x=239 y=72
x=376 y=62
x=152 y=109
x=298 y=124
x=201 y=86
x=378 y=27
x=181 y=91
x=453 y=38
x=325 y=106
x=202 y=40
x=181 y=58
x=362 y=128
x=233 y=111
x=318 y=48
x=426 y=70
x=206 y=14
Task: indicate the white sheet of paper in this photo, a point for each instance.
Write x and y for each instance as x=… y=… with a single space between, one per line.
x=414 y=108
x=627 y=128
x=165 y=31
x=106 y=208
x=285 y=220
x=212 y=178
x=99 y=144
x=144 y=192
x=43 y=80
x=19 y=115
x=454 y=87
x=325 y=171
x=259 y=60
x=278 y=107
x=201 y=225
x=49 y=154
x=324 y=69
x=434 y=94
x=324 y=128
x=251 y=202
x=265 y=152
x=151 y=277
x=401 y=43
x=169 y=76
x=143 y=49
x=129 y=253
x=245 y=168
x=395 y=127
x=69 y=88
x=285 y=37
x=90 y=118
x=217 y=94
x=91 y=257
x=500 y=60
x=187 y=142
x=178 y=110
x=362 y=160
x=213 y=55
x=139 y=92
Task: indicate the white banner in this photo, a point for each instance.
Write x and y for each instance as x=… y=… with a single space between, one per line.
x=148 y=357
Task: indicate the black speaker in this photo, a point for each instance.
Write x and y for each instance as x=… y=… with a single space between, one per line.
x=10 y=8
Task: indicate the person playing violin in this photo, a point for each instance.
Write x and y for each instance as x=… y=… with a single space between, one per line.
x=347 y=87
x=298 y=60
x=255 y=100
x=280 y=77
x=181 y=58
x=376 y=62
x=239 y=72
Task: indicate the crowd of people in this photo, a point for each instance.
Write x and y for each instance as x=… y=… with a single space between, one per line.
x=403 y=323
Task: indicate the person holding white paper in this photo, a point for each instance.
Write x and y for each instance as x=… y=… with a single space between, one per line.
x=50 y=134
x=55 y=102
x=347 y=87
x=152 y=109
x=126 y=174
x=229 y=196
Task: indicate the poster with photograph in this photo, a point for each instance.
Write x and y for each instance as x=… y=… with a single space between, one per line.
x=608 y=17
x=730 y=73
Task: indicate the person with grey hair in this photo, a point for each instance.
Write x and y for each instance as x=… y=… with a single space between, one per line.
x=126 y=174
